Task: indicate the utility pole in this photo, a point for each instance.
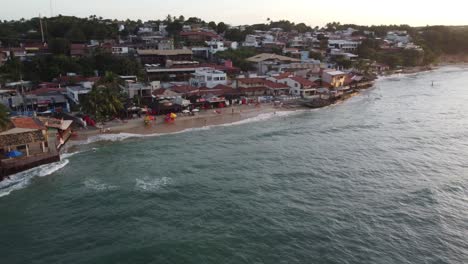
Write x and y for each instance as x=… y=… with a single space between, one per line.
x=42 y=29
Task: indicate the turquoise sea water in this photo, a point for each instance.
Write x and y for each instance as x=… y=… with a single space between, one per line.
x=380 y=178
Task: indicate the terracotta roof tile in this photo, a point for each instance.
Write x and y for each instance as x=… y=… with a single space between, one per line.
x=28 y=123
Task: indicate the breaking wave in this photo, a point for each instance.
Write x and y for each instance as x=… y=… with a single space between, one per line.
x=125 y=136
x=21 y=180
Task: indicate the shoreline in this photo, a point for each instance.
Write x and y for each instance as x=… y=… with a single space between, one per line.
x=208 y=118
x=203 y=119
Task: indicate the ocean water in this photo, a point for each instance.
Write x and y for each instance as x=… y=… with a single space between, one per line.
x=380 y=178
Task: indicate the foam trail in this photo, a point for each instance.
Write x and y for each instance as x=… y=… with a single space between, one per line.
x=97 y=185
x=149 y=185
x=21 y=180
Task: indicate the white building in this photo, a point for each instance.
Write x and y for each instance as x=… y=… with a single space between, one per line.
x=133 y=89
x=300 y=86
x=120 y=50
x=215 y=46
x=334 y=78
x=234 y=45
x=208 y=77
x=251 y=41
x=143 y=30
x=344 y=45
x=74 y=93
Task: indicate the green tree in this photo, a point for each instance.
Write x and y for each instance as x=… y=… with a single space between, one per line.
x=76 y=34
x=105 y=99
x=59 y=46
x=302 y=28
x=174 y=28
x=342 y=61
x=238 y=57
x=234 y=35
x=221 y=27
x=4 y=118
x=316 y=55
x=212 y=25
x=194 y=20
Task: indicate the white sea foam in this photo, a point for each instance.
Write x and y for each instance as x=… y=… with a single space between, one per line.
x=125 y=136
x=21 y=180
x=150 y=185
x=97 y=185
x=69 y=155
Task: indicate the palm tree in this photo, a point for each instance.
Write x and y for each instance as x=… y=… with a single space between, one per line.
x=102 y=102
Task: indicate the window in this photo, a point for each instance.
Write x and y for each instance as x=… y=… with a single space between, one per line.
x=295 y=85
x=209 y=78
x=216 y=78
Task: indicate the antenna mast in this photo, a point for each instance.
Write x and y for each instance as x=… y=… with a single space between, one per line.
x=51 y=8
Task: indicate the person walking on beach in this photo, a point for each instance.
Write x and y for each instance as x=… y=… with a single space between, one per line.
x=233 y=111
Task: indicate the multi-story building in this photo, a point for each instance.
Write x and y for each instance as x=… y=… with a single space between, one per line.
x=266 y=62
x=133 y=89
x=208 y=77
x=344 y=45
x=300 y=86
x=334 y=78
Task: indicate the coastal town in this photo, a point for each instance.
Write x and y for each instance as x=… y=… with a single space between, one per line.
x=200 y=71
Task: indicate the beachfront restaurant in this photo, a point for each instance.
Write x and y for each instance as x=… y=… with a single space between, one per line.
x=21 y=142
x=22 y=149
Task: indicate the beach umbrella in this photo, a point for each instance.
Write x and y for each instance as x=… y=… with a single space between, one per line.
x=186 y=111
x=195 y=110
x=14 y=154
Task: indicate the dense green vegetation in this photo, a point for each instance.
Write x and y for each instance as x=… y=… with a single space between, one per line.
x=239 y=57
x=370 y=49
x=45 y=68
x=72 y=29
x=61 y=31
x=435 y=41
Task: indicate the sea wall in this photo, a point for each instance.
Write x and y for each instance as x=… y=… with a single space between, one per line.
x=9 y=167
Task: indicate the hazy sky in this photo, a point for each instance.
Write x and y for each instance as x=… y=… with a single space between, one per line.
x=417 y=13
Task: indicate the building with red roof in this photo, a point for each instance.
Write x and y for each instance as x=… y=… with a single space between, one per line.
x=250 y=82
x=300 y=86
x=186 y=90
x=27 y=123
x=276 y=88
x=254 y=91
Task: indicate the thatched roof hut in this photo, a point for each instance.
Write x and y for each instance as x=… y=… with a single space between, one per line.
x=20 y=136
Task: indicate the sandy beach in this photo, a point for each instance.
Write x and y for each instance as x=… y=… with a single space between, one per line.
x=203 y=118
